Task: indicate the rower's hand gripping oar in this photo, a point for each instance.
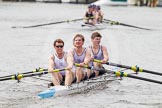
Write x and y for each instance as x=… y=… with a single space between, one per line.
x=134 y=68
x=118 y=23
x=20 y=76
x=120 y=74
x=45 y=24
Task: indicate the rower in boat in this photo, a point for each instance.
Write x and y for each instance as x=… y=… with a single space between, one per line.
x=89 y=15
x=82 y=56
x=99 y=14
x=78 y=54
x=59 y=60
x=98 y=52
x=93 y=16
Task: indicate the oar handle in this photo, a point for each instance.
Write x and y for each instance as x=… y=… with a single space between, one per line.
x=88 y=17
x=58 y=70
x=89 y=67
x=84 y=66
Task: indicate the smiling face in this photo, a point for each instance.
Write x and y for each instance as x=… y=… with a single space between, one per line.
x=58 y=46
x=96 y=40
x=78 y=40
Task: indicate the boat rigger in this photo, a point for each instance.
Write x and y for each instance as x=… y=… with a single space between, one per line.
x=110 y=75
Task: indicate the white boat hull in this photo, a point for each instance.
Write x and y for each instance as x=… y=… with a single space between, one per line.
x=83 y=86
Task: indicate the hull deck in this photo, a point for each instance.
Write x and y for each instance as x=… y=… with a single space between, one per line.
x=83 y=86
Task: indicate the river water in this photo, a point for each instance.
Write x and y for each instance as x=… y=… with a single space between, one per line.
x=23 y=49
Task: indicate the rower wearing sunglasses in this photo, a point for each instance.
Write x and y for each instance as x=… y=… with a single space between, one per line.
x=59 y=60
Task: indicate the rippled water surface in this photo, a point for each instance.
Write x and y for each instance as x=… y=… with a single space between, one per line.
x=24 y=49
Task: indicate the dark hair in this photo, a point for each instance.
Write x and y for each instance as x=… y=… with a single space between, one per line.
x=95 y=34
x=98 y=7
x=59 y=41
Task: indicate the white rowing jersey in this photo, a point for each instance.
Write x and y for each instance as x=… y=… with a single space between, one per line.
x=99 y=54
x=79 y=58
x=60 y=63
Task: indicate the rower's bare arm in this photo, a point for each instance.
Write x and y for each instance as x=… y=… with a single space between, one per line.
x=88 y=56
x=51 y=64
x=70 y=60
x=105 y=54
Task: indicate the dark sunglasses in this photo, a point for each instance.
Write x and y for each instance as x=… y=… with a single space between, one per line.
x=59 y=46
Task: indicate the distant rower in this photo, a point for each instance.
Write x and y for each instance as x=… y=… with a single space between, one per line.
x=94 y=15
x=89 y=15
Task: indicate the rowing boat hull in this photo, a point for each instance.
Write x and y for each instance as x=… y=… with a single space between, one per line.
x=83 y=86
x=96 y=26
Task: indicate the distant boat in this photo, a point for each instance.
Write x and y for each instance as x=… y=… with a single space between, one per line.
x=49 y=1
x=111 y=2
x=67 y=1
